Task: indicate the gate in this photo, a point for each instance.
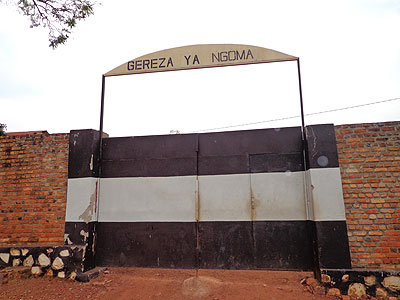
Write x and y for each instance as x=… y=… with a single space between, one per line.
x=241 y=199
x=232 y=200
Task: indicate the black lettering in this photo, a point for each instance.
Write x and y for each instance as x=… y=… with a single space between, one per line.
x=131 y=65
x=196 y=59
x=146 y=62
x=187 y=59
x=240 y=56
x=230 y=58
x=249 y=54
x=214 y=56
x=161 y=65
x=138 y=65
x=153 y=63
x=223 y=56
x=170 y=62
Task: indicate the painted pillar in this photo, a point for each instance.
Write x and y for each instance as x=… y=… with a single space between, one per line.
x=326 y=196
x=83 y=190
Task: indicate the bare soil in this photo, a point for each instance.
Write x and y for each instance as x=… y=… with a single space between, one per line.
x=166 y=284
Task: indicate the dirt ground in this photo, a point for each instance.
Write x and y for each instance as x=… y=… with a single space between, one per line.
x=166 y=284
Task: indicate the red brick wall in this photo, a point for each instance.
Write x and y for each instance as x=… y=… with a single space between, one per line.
x=33 y=188
x=369 y=158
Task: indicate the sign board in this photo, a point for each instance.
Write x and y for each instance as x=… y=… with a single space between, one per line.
x=199 y=56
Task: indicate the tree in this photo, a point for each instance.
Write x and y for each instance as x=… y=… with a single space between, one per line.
x=3 y=128
x=59 y=16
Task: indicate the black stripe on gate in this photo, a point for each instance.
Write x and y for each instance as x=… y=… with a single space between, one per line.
x=223 y=244
x=228 y=244
x=83 y=158
x=146 y=244
x=322 y=149
x=150 y=156
x=281 y=245
x=269 y=150
x=333 y=243
x=237 y=152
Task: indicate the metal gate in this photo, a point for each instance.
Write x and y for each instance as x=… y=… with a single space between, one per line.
x=215 y=200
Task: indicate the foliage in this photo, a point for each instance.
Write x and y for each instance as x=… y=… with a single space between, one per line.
x=59 y=16
x=3 y=128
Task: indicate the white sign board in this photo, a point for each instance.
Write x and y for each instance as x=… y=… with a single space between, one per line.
x=199 y=56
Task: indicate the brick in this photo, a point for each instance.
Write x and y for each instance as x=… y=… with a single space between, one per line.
x=370 y=154
x=35 y=162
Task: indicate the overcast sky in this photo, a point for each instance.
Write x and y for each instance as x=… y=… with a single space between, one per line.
x=349 y=52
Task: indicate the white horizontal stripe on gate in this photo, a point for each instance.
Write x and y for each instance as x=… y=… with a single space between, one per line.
x=276 y=196
x=236 y=197
x=247 y=197
x=81 y=200
x=327 y=195
x=147 y=199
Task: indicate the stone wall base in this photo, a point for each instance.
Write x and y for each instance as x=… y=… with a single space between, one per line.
x=64 y=261
x=359 y=282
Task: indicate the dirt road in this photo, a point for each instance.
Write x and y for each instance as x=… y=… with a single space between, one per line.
x=165 y=284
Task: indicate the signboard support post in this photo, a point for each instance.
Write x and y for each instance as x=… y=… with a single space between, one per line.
x=301 y=97
x=103 y=86
x=102 y=103
x=312 y=227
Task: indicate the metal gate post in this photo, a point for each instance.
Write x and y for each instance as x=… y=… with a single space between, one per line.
x=308 y=197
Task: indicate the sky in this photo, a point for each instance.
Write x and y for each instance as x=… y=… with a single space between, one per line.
x=349 y=53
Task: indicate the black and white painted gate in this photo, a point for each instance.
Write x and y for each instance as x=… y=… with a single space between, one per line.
x=238 y=200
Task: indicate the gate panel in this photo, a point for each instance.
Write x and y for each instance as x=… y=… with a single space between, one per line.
x=152 y=199
x=147 y=222
x=248 y=218
x=148 y=195
x=225 y=198
x=146 y=244
x=226 y=245
x=150 y=156
x=239 y=196
x=278 y=196
x=282 y=245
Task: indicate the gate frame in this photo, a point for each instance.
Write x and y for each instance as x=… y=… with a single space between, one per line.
x=312 y=227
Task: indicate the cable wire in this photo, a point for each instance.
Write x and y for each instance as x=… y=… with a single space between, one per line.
x=293 y=117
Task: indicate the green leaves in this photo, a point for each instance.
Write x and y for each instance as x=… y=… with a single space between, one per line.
x=59 y=16
x=3 y=128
